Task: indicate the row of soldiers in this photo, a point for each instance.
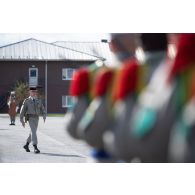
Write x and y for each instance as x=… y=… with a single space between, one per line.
x=137 y=109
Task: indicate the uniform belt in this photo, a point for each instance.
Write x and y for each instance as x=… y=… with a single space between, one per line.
x=33 y=115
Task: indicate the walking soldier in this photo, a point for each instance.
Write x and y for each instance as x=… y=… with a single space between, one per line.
x=31 y=109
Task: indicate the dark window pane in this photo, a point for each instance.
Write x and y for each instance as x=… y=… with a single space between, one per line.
x=33 y=73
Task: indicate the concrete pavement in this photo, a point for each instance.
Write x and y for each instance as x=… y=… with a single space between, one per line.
x=55 y=144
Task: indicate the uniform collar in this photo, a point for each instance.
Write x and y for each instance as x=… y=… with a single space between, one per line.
x=152 y=57
x=30 y=97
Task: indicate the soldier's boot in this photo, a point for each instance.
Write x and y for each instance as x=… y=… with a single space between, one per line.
x=26 y=147
x=36 y=150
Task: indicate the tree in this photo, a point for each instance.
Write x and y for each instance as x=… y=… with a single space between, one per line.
x=21 y=89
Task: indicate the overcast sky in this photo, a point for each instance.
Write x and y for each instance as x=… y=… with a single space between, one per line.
x=7 y=38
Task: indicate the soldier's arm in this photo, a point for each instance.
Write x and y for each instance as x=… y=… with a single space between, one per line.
x=43 y=112
x=23 y=111
x=8 y=102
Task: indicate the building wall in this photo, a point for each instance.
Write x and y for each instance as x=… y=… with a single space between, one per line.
x=11 y=71
x=58 y=87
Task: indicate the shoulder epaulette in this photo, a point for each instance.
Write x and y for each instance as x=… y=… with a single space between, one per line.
x=185 y=56
x=25 y=101
x=80 y=82
x=127 y=79
x=183 y=70
x=103 y=81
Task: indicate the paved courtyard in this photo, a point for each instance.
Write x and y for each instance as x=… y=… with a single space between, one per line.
x=55 y=144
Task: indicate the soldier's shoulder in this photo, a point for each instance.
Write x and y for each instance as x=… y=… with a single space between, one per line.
x=40 y=101
x=26 y=100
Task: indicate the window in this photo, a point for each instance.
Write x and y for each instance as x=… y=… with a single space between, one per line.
x=67 y=73
x=33 y=76
x=67 y=101
x=33 y=73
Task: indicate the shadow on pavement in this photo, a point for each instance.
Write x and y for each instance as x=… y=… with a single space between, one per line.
x=63 y=155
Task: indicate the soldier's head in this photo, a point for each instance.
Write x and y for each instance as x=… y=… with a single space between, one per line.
x=124 y=45
x=33 y=91
x=13 y=95
x=154 y=42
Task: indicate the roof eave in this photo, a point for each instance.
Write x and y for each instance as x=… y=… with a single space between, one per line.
x=90 y=60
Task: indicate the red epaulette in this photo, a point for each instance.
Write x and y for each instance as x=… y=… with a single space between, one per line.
x=127 y=79
x=185 y=54
x=103 y=81
x=80 y=83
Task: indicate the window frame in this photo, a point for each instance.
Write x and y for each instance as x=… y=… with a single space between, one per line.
x=37 y=75
x=66 y=105
x=66 y=74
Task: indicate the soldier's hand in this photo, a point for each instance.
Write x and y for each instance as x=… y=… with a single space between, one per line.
x=44 y=119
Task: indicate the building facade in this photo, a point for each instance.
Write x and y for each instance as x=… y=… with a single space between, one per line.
x=41 y=64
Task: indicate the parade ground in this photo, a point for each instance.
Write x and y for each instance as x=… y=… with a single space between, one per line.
x=55 y=144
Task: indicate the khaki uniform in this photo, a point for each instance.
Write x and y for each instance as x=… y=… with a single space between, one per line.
x=31 y=109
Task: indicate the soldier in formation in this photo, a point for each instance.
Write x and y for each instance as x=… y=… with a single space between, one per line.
x=142 y=109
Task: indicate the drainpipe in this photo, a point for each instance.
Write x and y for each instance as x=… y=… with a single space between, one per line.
x=46 y=86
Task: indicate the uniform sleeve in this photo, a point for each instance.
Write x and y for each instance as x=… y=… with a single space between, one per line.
x=8 y=102
x=43 y=111
x=23 y=111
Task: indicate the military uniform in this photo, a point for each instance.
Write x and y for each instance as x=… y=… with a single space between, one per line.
x=81 y=90
x=128 y=137
x=12 y=104
x=31 y=109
